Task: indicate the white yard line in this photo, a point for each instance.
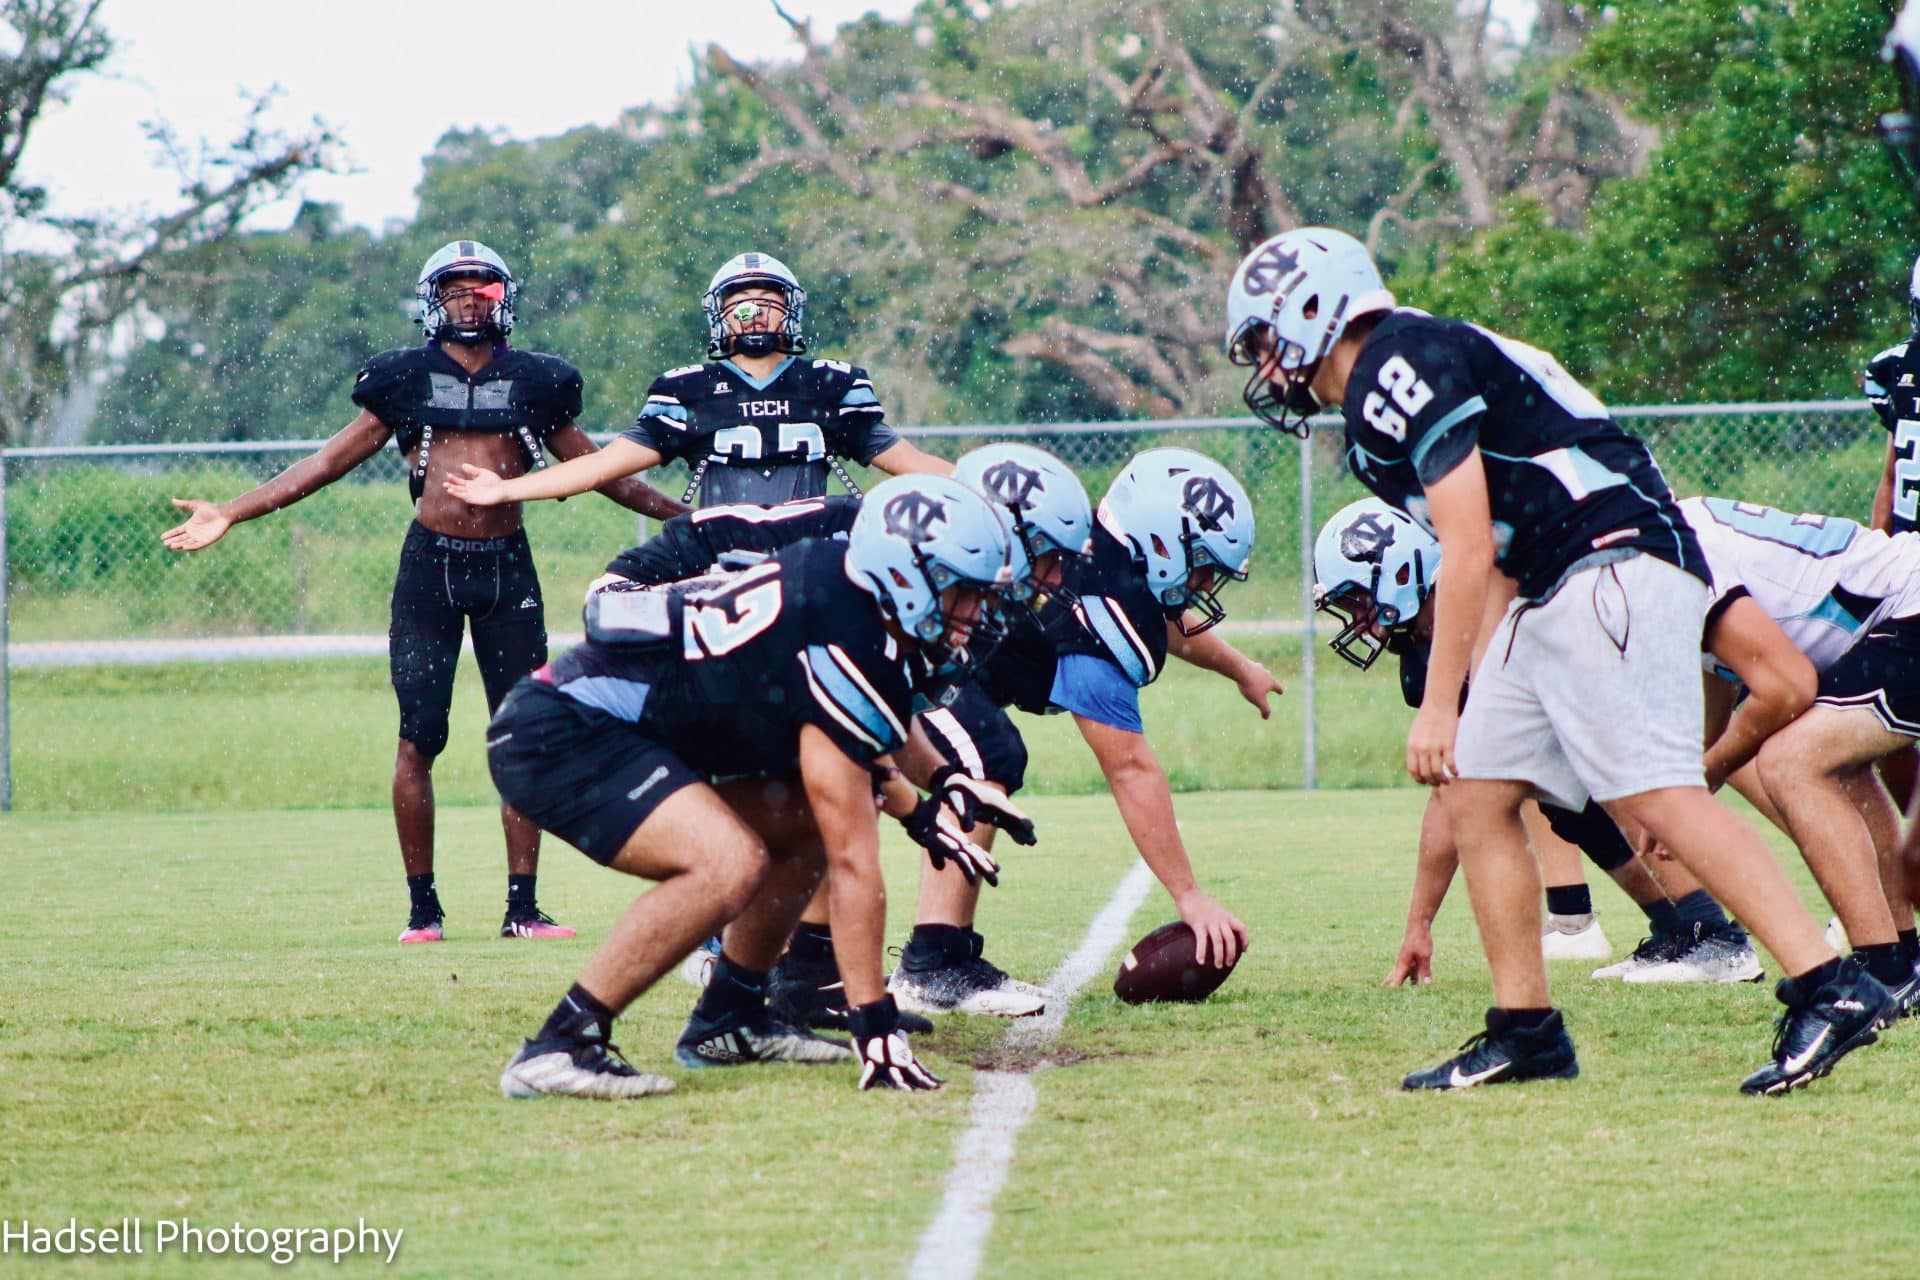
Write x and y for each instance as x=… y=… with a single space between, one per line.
x=1003 y=1101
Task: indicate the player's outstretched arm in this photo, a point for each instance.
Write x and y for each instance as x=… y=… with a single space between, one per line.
x=1431 y=880
x=570 y=442
x=903 y=458
x=622 y=457
x=1780 y=682
x=208 y=522
x=1210 y=651
x=1140 y=789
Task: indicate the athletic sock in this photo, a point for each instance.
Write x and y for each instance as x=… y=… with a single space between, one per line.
x=733 y=988
x=935 y=946
x=1699 y=908
x=578 y=1016
x=1883 y=962
x=1523 y=1021
x=812 y=944
x=1802 y=985
x=520 y=893
x=1664 y=917
x=422 y=893
x=1569 y=900
x=1910 y=946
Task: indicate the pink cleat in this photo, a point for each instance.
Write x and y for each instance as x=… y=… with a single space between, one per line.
x=531 y=922
x=422 y=928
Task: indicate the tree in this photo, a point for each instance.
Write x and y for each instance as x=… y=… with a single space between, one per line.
x=59 y=306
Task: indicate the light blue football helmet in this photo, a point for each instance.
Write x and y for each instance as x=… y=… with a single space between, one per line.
x=464 y=258
x=1177 y=511
x=917 y=535
x=1044 y=504
x=1373 y=567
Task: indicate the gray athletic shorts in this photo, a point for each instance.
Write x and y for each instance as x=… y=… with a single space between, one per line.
x=1595 y=693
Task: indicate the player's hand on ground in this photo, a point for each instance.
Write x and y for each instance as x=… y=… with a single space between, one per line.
x=1256 y=684
x=1430 y=744
x=477 y=486
x=204 y=525
x=1414 y=964
x=1218 y=935
x=974 y=801
x=932 y=827
x=886 y=1059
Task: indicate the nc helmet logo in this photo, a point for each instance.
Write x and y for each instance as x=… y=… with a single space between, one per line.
x=1207 y=502
x=1011 y=484
x=1265 y=272
x=915 y=517
x=1366 y=540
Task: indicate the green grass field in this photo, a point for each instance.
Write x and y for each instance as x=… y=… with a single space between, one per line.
x=208 y=1017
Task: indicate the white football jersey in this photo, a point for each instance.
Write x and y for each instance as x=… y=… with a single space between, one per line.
x=1823 y=579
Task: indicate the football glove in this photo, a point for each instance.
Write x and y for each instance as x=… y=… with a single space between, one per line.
x=886 y=1059
x=974 y=801
x=931 y=827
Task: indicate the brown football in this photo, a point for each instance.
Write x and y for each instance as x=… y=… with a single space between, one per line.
x=1161 y=966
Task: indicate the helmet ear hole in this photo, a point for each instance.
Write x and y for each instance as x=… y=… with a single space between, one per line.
x=1402 y=577
x=1160 y=548
x=1311 y=308
x=900 y=579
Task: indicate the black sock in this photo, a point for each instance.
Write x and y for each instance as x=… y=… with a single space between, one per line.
x=1569 y=900
x=578 y=1016
x=520 y=891
x=1699 y=908
x=935 y=946
x=1522 y=1020
x=812 y=943
x=1801 y=986
x=1910 y=947
x=1664 y=917
x=1883 y=962
x=733 y=988
x=421 y=890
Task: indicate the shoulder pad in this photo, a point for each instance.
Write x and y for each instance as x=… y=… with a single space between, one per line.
x=680 y=372
x=1891 y=353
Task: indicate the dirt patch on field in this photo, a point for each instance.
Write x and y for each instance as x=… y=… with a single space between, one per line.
x=1012 y=1058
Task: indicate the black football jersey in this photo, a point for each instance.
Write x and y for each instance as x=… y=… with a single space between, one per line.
x=418 y=391
x=1568 y=487
x=690 y=545
x=764 y=442
x=1892 y=385
x=742 y=663
x=1112 y=615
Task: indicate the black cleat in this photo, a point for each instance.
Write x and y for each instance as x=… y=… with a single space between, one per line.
x=530 y=921
x=1906 y=998
x=810 y=994
x=1821 y=1027
x=1504 y=1054
x=735 y=1039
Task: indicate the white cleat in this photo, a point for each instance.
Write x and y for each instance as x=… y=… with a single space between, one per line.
x=972 y=986
x=1714 y=958
x=1574 y=938
x=576 y=1069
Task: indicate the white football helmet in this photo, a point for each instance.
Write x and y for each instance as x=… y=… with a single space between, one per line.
x=1178 y=511
x=763 y=271
x=1373 y=568
x=917 y=535
x=1913 y=296
x=1289 y=302
x=465 y=258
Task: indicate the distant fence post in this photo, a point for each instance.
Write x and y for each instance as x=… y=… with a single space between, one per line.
x=6 y=701
x=1309 y=762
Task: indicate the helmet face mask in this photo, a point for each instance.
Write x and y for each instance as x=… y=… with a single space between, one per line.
x=728 y=315
x=439 y=284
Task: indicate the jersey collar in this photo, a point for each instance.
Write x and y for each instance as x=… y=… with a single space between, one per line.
x=758 y=384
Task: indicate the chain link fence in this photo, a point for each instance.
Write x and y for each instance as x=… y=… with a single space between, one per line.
x=85 y=580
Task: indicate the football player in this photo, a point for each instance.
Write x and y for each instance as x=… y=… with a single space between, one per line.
x=465 y=397
x=1849 y=599
x=721 y=738
x=1576 y=592
x=757 y=423
x=1901 y=129
x=1374 y=572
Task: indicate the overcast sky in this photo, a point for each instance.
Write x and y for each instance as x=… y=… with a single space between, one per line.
x=390 y=75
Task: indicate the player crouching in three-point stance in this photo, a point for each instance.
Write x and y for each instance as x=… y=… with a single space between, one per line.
x=465 y=397
x=789 y=678
x=1587 y=684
